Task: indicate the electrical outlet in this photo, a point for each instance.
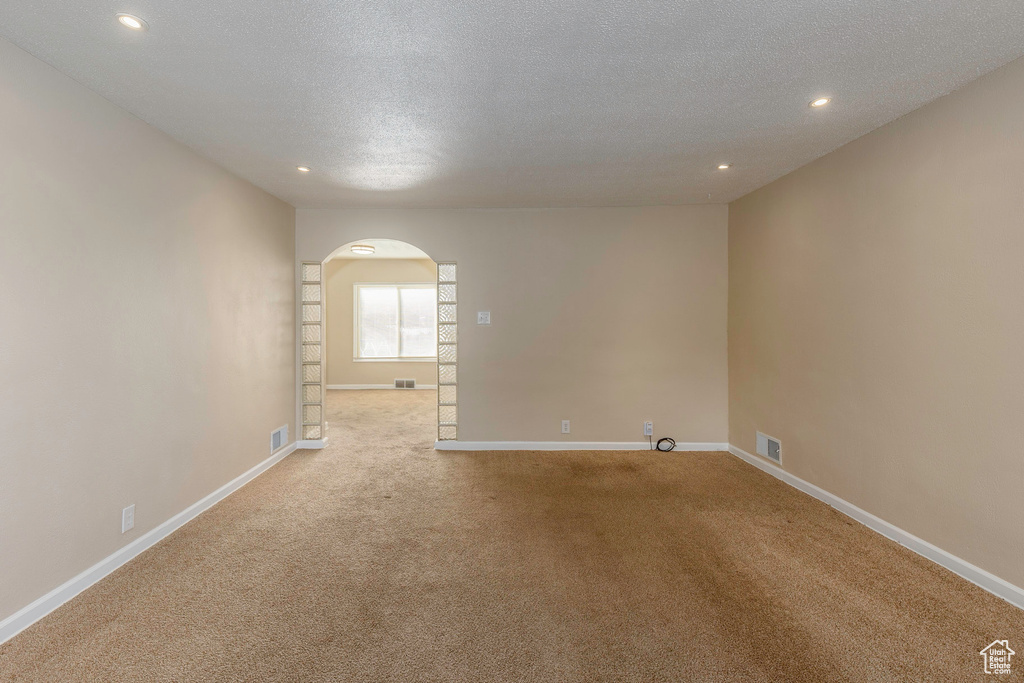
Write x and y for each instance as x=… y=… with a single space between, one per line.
x=483 y=317
x=648 y=428
x=565 y=426
x=128 y=518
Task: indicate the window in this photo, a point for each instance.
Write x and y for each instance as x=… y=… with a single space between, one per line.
x=395 y=321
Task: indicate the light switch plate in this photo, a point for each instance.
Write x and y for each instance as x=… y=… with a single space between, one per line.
x=483 y=317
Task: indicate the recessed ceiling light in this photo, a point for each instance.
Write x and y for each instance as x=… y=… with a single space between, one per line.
x=133 y=22
x=722 y=167
x=820 y=102
x=302 y=169
x=363 y=249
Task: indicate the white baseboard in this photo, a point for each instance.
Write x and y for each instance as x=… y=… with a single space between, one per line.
x=30 y=614
x=976 y=575
x=311 y=444
x=377 y=386
x=568 y=446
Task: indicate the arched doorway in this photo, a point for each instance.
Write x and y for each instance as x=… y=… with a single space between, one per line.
x=364 y=325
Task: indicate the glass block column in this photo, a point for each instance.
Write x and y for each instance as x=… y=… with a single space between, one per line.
x=447 y=353
x=313 y=426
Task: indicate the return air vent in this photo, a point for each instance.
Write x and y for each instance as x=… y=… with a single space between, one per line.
x=405 y=384
x=769 y=447
x=278 y=438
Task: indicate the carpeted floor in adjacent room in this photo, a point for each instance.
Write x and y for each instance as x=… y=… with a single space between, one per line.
x=380 y=559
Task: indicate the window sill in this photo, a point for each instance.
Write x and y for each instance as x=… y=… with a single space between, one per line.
x=394 y=360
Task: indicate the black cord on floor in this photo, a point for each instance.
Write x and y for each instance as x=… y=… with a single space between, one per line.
x=670 y=442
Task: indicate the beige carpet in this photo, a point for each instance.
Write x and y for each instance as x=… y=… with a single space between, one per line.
x=379 y=559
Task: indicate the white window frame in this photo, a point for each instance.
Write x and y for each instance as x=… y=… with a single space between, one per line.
x=356 y=326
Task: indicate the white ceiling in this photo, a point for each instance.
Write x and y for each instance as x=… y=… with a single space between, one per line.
x=383 y=249
x=517 y=102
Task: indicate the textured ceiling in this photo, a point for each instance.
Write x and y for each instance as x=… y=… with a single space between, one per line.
x=517 y=102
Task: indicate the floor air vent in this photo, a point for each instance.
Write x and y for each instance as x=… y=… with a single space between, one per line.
x=405 y=384
x=769 y=447
x=278 y=438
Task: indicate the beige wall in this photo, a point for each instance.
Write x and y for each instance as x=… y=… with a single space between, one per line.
x=340 y=275
x=147 y=346
x=605 y=317
x=876 y=320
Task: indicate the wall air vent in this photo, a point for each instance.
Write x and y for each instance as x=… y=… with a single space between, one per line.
x=405 y=384
x=278 y=438
x=769 y=447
